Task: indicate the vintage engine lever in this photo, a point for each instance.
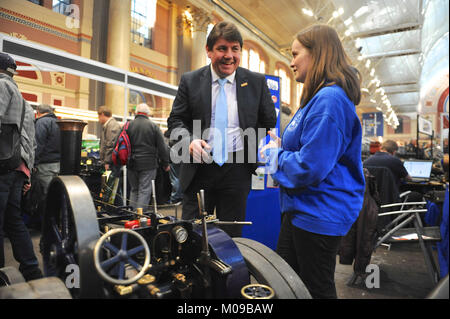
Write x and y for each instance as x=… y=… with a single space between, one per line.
x=203 y=214
x=205 y=254
x=154 y=196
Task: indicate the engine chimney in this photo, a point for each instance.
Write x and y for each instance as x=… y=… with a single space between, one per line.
x=71 y=134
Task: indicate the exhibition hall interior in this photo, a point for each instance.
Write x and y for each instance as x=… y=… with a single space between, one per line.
x=224 y=149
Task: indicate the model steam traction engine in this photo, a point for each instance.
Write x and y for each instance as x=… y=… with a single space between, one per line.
x=126 y=253
x=129 y=254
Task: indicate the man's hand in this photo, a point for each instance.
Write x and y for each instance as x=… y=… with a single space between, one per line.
x=26 y=187
x=199 y=150
x=106 y=167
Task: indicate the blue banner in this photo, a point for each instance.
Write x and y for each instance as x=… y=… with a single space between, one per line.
x=263 y=204
x=273 y=83
x=372 y=124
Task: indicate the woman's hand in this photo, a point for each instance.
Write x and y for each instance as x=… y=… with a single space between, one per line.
x=275 y=142
x=275 y=138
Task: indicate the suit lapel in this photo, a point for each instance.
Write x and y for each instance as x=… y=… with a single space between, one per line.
x=242 y=96
x=205 y=89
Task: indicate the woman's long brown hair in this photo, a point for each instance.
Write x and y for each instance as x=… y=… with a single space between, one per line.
x=330 y=64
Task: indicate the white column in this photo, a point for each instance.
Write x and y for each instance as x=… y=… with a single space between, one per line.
x=118 y=50
x=200 y=22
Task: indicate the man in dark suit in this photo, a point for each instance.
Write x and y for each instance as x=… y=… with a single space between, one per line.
x=216 y=116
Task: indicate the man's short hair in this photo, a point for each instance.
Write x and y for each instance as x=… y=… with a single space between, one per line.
x=44 y=108
x=226 y=30
x=106 y=111
x=390 y=146
x=143 y=108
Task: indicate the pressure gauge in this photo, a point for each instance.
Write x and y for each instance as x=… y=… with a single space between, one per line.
x=180 y=233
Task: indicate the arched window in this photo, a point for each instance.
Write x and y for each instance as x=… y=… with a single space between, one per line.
x=285 y=80
x=244 y=59
x=299 y=94
x=208 y=30
x=253 y=58
x=262 y=67
x=143 y=17
x=253 y=61
x=59 y=6
x=38 y=2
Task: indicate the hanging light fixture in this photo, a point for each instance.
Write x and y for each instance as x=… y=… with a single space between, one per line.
x=308 y=12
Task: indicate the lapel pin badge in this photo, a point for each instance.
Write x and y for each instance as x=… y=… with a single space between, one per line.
x=244 y=84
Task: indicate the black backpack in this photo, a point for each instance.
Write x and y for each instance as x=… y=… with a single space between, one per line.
x=10 y=156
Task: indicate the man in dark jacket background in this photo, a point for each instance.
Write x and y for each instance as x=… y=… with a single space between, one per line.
x=147 y=150
x=48 y=150
x=386 y=158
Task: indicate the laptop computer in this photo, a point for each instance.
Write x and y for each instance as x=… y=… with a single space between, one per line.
x=419 y=170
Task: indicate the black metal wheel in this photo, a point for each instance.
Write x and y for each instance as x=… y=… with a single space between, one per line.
x=268 y=268
x=69 y=234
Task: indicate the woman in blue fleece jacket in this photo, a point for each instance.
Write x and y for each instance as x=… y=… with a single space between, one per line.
x=318 y=160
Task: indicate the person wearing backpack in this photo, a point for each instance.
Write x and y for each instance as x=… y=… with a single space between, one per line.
x=148 y=149
x=15 y=172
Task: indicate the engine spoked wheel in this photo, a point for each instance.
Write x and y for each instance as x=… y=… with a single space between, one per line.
x=69 y=233
x=266 y=267
x=113 y=268
x=257 y=291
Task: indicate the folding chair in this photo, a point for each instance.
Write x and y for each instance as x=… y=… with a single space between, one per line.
x=387 y=189
x=396 y=231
